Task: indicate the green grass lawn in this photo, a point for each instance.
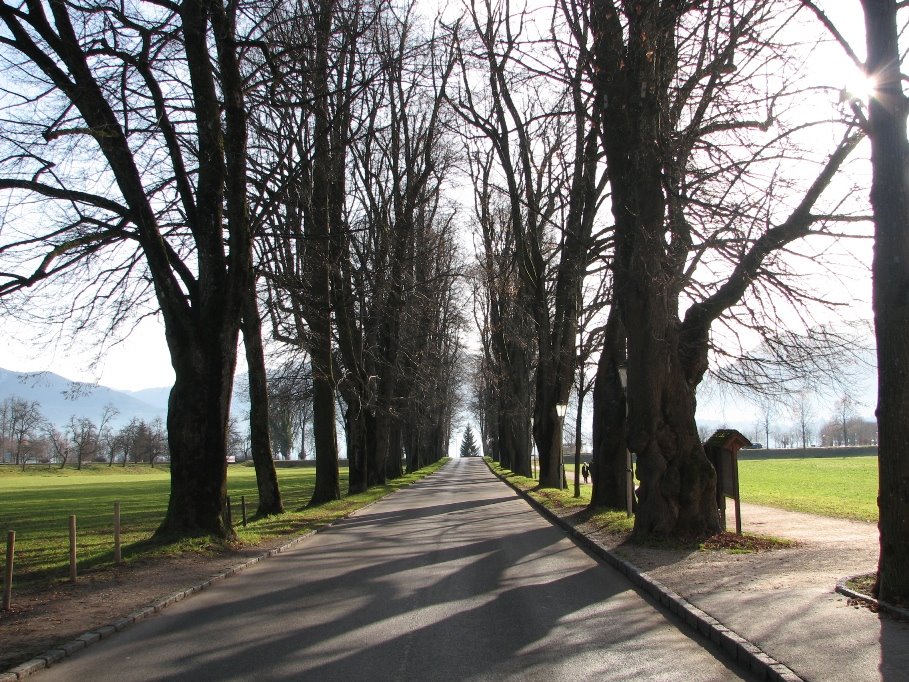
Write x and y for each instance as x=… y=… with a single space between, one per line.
x=37 y=503
x=844 y=487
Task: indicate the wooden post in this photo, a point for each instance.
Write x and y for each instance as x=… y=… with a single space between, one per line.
x=243 y=508
x=72 y=548
x=738 y=497
x=118 y=556
x=230 y=516
x=629 y=485
x=8 y=569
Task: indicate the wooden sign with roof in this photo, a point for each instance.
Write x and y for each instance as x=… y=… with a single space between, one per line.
x=723 y=449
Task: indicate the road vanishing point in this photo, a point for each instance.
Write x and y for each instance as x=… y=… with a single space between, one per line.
x=452 y=578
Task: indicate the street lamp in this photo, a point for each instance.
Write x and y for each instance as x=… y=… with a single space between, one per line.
x=629 y=479
x=561 y=409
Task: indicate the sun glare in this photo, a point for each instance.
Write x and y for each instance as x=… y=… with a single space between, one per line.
x=858 y=85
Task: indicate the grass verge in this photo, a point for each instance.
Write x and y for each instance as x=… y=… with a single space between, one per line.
x=37 y=503
x=617 y=522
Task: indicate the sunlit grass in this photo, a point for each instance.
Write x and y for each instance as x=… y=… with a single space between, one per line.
x=608 y=520
x=37 y=503
x=843 y=487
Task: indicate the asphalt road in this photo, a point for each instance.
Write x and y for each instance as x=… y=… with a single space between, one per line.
x=454 y=578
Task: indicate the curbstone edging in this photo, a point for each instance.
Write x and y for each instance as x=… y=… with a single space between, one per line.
x=106 y=631
x=29 y=668
x=72 y=646
x=53 y=656
x=743 y=651
x=89 y=637
x=890 y=609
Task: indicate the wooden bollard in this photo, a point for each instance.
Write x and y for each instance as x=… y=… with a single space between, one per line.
x=243 y=508
x=118 y=556
x=8 y=570
x=72 y=548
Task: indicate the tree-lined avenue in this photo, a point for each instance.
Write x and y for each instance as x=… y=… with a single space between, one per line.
x=452 y=578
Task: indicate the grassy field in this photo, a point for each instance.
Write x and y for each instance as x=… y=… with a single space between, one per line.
x=844 y=487
x=37 y=504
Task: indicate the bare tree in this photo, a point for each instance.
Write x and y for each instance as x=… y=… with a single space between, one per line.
x=547 y=155
x=60 y=445
x=802 y=411
x=845 y=413
x=672 y=83
x=152 y=100
x=505 y=323
x=23 y=422
x=767 y=408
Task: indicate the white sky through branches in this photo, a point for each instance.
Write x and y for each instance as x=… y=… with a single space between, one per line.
x=142 y=360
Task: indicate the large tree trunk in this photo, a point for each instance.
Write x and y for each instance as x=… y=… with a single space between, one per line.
x=356 y=431
x=202 y=334
x=393 y=464
x=328 y=480
x=890 y=201
x=197 y=416
x=318 y=267
x=608 y=467
x=677 y=492
x=259 y=433
x=547 y=426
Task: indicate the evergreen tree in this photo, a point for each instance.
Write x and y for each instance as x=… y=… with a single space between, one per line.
x=468 y=445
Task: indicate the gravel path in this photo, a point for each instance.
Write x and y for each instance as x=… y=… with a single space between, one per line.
x=784 y=600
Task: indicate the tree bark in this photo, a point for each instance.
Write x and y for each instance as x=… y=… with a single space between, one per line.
x=259 y=432
x=608 y=467
x=318 y=267
x=890 y=202
x=393 y=464
x=197 y=414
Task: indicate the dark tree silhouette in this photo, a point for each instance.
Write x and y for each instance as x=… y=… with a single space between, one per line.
x=468 y=444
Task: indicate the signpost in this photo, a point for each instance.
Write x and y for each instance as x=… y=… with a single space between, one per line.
x=723 y=450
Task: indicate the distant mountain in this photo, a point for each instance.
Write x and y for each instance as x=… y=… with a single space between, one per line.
x=153 y=396
x=61 y=398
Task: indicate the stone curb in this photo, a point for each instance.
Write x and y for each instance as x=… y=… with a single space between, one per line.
x=48 y=658
x=889 y=609
x=736 y=647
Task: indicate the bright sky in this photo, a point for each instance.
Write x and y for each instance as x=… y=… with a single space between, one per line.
x=142 y=361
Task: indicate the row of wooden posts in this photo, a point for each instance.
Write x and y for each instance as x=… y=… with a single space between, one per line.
x=118 y=556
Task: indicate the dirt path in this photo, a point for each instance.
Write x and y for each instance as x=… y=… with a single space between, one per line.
x=807 y=527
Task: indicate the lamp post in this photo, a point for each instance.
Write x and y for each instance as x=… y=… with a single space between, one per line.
x=561 y=409
x=629 y=479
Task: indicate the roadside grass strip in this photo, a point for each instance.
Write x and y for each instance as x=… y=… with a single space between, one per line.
x=37 y=503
